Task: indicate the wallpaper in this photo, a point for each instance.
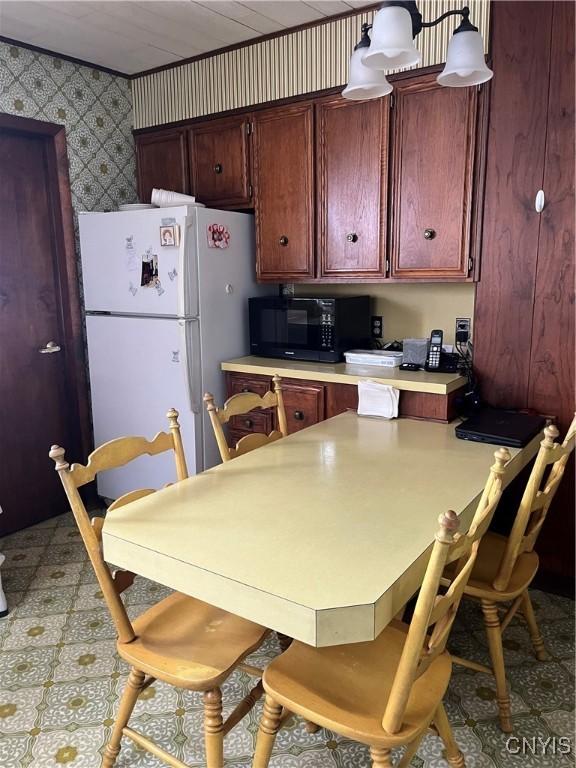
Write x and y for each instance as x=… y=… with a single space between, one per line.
x=96 y=109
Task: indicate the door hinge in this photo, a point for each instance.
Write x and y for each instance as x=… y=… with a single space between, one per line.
x=250 y=191
x=470 y=264
x=248 y=128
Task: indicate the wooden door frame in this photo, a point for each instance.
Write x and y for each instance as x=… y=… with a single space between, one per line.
x=76 y=382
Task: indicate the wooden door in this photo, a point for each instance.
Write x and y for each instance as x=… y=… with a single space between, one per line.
x=514 y=171
x=284 y=193
x=434 y=138
x=41 y=359
x=551 y=388
x=220 y=162
x=162 y=162
x=352 y=173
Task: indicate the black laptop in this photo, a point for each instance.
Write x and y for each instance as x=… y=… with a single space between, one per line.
x=508 y=428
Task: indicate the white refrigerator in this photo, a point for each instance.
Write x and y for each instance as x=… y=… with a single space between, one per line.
x=166 y=296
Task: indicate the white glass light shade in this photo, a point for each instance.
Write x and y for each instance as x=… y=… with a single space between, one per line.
x=364 y=83
x=392 y=45
x=465 y=63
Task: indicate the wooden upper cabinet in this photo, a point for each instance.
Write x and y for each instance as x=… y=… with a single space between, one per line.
x=284 y=192
x=352 y=172
x=162 y=160
x=434 y=143
x=220 y=162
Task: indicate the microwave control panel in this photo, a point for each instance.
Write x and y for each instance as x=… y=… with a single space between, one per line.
x=326 y=324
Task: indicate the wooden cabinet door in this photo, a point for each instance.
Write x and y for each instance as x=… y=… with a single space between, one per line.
x=352 y=172
x=434 y=137
x=162 y=162
x=220 y=162
x=284 y=185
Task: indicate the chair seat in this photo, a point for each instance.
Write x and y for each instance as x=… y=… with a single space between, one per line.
x=190 y=644
x=486 y=567
x=345 y=688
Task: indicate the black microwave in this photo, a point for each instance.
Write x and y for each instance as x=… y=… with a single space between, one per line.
x=302 y=328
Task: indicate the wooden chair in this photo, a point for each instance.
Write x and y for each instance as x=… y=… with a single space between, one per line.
x=506 y=566
x=388 y=692
x=180 y=640
x=240 y=404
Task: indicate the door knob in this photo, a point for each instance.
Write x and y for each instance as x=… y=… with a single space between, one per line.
x=49 y=349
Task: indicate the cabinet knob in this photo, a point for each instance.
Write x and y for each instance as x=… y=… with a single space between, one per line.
x=352 y=237
x=248 y=423
x=283 y=240
x=218 y=168
x=298 y=415
x=429 y=234
x=245 y=389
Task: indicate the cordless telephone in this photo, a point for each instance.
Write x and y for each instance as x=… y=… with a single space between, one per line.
x=434 y=351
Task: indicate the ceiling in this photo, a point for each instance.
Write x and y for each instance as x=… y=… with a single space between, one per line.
x=131 y=36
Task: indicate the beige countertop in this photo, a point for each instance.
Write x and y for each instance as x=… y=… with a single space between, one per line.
x=342 y=373
x=322 y=535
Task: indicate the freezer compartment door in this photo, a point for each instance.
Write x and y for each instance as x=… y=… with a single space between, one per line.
x=137 y=262
x=139 y=369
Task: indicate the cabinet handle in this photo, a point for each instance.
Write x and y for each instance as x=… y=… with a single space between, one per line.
x=540 y=201
x=429 y=234
x=218 y=168
x=283 y=240
x=352 y=237
x=248 y=423
x=298 y=415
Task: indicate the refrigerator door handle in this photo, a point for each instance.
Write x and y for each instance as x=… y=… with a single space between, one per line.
x=190 y=360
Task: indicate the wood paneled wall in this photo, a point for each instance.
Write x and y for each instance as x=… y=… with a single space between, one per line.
x=524 y=313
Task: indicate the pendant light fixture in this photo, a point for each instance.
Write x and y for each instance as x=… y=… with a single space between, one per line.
x=391 y=46
x=363 y=82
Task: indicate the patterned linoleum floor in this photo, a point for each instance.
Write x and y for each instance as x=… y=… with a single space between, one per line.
x=60 y=679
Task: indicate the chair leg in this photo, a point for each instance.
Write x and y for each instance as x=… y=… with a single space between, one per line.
x=453 y=755
x=269 y=725
x=127 y=703
x=537 y=641
x=213 y=728
x=410 y=751
x=494 y=635
x=380 y=757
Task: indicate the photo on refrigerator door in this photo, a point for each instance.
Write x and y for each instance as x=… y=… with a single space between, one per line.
x=149 y=277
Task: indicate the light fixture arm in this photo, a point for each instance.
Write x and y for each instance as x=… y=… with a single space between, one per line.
x=418 y=25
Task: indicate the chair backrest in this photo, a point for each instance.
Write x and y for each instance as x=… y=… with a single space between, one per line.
x=435 y=611
x=111 y=455
x=242 y=403
x=536 y=500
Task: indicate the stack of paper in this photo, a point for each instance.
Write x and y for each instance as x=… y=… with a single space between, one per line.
x=376 y=399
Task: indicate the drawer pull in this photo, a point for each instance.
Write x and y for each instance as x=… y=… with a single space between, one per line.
x=298 y=415
x=245 y=389
x=218 y=168
x=283 y=240
x=429 y=234
x=248 y=423
x=352 y=237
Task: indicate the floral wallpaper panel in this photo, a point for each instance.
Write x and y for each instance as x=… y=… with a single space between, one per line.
x=96 y=109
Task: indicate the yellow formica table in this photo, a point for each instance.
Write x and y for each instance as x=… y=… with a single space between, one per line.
x=323 y=535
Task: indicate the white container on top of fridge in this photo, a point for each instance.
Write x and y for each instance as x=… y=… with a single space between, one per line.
x=160 y=319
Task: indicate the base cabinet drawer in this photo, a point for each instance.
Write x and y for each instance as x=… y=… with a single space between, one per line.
x=304 y=405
